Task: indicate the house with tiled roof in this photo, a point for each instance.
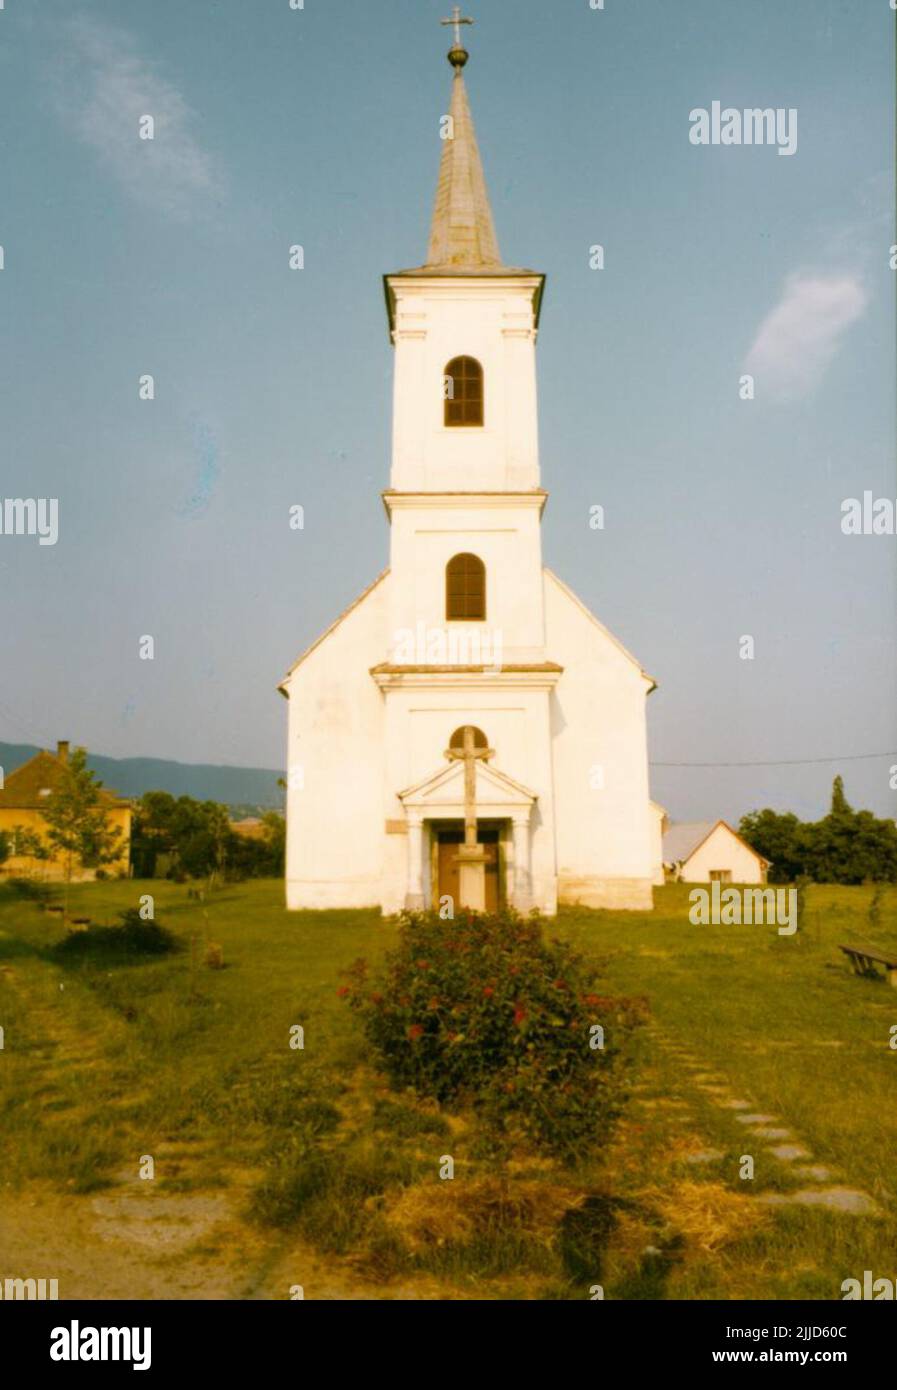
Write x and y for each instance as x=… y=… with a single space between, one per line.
x=24 y=794
x=701 y=851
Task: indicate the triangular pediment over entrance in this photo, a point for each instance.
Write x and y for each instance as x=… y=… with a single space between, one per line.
x=442 y=793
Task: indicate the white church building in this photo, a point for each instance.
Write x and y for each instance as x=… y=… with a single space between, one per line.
x=467 y=728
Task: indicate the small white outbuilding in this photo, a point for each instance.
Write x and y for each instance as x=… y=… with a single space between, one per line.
x=701 y=851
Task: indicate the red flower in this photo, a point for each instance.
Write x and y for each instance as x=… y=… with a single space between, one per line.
x=488 y=992
x=415 y=1031
x=423 y=965
x=434 y=1003
x=519 y=1015
x=342 y=991
x=593 y=999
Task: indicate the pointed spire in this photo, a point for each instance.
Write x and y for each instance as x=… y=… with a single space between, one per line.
x=462 y=232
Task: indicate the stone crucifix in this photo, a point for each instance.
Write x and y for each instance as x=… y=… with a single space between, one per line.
x=471 y=858
x=456 y=21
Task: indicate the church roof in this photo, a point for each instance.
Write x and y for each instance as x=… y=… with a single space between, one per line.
x=463 y=240
x=462 y=232
x=282 y=687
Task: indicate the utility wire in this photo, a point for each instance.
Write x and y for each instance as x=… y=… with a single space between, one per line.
x=785 y=762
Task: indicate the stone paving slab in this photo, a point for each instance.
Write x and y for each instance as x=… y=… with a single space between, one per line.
x=786 y=1153
x=844 y=1199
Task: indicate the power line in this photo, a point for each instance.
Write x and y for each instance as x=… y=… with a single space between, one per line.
x=785 y=762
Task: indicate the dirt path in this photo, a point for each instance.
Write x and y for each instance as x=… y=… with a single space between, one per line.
x=136 y=1242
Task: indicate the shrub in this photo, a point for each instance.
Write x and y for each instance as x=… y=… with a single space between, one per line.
x=134 y=939
x=484 y=1011
x=32 y=888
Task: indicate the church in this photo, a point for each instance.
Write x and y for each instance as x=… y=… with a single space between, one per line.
x=467 y=733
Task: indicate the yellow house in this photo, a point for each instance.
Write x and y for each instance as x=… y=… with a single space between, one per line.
x=22 y=798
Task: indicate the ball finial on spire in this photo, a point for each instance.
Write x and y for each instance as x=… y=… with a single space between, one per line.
x=457 y=54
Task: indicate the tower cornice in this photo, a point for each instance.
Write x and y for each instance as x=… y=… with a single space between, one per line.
x=393 y=500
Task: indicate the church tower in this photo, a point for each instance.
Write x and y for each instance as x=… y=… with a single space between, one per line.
x=472 y=730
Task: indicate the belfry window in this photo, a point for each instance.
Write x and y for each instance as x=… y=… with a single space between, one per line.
x=463 y=392
x=465 y=589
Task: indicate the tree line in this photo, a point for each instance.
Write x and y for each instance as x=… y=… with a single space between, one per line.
x=173 y=837
x=845 y=846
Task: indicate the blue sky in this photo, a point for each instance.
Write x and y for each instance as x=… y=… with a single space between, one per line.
x=321 y=126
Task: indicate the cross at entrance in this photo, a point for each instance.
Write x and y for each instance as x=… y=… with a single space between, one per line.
x=471 y=857
x=457 y=20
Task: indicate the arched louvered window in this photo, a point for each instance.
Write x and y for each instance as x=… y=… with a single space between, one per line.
x=465 y=589
x=456 y=742
x=463 y=391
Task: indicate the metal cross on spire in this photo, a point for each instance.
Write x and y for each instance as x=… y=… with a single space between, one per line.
x=457 y=20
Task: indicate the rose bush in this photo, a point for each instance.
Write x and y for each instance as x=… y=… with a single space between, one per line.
x=484 y=1011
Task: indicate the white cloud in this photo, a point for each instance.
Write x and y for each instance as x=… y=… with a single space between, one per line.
x=103 y=87
x=797 y=340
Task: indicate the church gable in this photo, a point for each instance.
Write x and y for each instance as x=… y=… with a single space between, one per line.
x=360 y=613
x=567 y=617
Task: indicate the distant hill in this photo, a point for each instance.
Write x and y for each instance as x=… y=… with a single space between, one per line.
x=246 y=789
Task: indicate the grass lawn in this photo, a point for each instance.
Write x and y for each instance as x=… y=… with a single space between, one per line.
x=276 y=1166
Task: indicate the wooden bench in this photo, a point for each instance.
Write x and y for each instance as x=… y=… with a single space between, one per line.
x=864 y=960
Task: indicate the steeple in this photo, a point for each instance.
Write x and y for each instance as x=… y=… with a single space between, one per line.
x=462 y=233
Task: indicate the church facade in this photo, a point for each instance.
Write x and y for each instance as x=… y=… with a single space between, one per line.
x=467 y=729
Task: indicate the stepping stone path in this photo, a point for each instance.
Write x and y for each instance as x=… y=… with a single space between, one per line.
x=847 y=1200
x=786 y=1153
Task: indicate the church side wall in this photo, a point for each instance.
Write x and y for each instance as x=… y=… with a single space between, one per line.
x=605 y=836
x=335 y=829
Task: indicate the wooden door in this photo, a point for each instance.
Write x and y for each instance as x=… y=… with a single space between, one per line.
x=447 y=865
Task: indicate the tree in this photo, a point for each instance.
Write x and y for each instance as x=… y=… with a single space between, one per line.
x=275 y=840
x=21 y=843
x=840 y=806
x=778 y=838
x=77 y=824
x=846 y=846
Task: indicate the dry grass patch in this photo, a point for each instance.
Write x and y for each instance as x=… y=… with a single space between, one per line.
x=707 y=1214
x=428 y=1216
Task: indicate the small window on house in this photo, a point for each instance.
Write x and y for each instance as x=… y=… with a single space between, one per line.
x=463 y=392
x=456 y=742
x=721 y=875
x=465 y=589
x=44 y=791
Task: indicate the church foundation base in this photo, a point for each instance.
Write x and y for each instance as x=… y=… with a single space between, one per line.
x=623 y=894
x=310 y=894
